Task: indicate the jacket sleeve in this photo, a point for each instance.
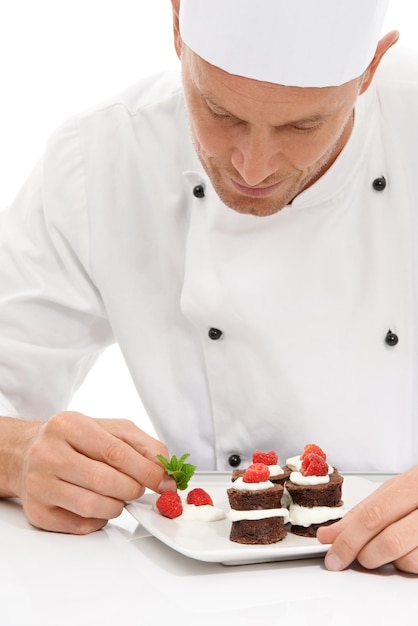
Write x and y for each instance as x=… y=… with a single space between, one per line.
x=52 y=320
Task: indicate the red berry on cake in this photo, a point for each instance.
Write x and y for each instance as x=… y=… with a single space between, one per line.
x=268 y=458
x=314 y=465
x=199 y=497
x=312 y=447
x=169 y=504
x=256 y=473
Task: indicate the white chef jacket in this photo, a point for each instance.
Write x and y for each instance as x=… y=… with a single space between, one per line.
x=239 y=332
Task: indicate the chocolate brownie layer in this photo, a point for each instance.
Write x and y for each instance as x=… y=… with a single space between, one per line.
x=261 y=531
x=243 y=500
x=281 y=478
x=328 y=494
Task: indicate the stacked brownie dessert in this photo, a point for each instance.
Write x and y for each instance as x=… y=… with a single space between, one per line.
x=256 y=513
x=315 y=490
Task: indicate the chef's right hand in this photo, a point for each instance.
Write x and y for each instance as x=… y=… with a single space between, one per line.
x=77 y=472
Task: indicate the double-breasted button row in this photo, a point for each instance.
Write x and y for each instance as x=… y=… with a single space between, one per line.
x=391 y=339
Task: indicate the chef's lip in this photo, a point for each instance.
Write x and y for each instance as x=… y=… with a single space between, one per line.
x=259 y=191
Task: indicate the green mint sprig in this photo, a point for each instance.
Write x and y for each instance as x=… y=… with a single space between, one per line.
x=178 y=469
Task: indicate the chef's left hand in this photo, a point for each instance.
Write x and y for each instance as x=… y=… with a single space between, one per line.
x=381 y=529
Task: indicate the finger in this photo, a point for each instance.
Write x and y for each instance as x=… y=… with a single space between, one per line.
x=72 y=497
x=396 y=542
x=59 y=520
x=99 y=477
x=86 y=503
x=365 y=521
x=408 y=563
x=327 y=534
x=360 y=525
x=91 y=439
x=147 y=446
x=65 y=464
x=144 y=443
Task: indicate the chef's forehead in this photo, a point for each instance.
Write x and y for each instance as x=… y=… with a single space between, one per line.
x=303 y=43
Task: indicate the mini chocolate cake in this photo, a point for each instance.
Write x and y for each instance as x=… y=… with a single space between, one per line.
x=257 y=515
x=312 y=496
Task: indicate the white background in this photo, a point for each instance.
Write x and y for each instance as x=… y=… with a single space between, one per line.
x=58 y=57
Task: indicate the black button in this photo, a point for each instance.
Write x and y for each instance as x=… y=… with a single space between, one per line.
x=214 y=333
x=391 y=339
x=379 y=184
x=234 y=460
x=199 y=191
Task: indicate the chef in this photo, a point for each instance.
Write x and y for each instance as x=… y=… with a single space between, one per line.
x=247 y=236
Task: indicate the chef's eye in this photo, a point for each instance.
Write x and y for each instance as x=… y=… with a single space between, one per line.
x=305 y=128
x=218 y=113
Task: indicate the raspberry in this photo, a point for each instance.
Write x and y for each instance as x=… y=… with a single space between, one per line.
x=268 y=458
x=312 y=447
x=314 y=465
x=256 y=473
x=199 y=497
x=169 y=504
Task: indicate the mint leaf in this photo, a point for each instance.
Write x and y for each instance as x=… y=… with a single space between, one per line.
x=178 y=469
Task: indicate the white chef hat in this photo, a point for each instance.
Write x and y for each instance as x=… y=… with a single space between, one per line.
x=304 y=43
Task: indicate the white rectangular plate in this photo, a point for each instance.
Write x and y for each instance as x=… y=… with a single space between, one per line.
x=209 y=541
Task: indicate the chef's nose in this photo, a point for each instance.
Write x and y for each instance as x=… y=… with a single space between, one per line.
x=255 y=156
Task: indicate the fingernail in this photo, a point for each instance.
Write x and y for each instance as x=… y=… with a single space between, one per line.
x=333 y=563
x=167 y=484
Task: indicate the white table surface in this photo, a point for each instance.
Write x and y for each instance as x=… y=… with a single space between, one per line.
x=122 y=575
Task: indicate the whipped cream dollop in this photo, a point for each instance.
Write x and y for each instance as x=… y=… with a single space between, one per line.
x=256 y=514
x=299 y=479
x=294 y=463
x=275 y=470
x=305 y=516
x=240 y=485
x=202 y=513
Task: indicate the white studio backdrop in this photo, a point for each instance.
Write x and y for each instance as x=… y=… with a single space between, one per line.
x=58 y=57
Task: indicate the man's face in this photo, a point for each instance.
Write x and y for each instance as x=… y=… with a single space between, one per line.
x=261 y=144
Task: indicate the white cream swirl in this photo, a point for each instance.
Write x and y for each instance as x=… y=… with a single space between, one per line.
x=305 y=516
x=294 y=463
x=299 y=479
x=256 y=514
x=275 y=470
x=202 y=513
x=240 y=485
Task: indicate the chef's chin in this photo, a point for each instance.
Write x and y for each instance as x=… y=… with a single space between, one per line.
x=259 y=207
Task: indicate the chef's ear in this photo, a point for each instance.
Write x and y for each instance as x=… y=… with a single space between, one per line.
x=382 y=47
x=176 y=27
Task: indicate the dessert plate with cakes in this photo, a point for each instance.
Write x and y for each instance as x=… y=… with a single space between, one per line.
x=257 y=520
